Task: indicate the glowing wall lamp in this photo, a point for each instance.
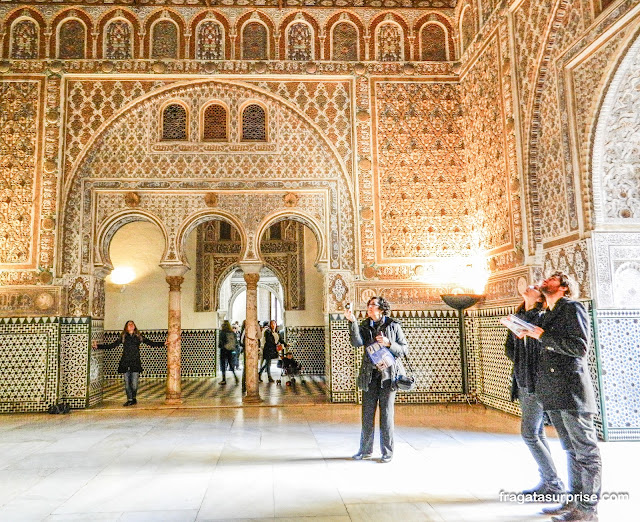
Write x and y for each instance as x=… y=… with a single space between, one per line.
x=122 y=276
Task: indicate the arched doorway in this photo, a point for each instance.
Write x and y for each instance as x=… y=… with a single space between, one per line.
x=289 y=248
x=233 y=292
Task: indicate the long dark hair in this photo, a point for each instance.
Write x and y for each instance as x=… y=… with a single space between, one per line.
x=136 y=332
x=226 y=327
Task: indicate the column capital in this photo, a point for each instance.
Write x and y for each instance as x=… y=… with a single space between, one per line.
x=102 y=271
x=251 y=267
x=251 y=280
x=175 y=282
x=171 y=269
x=323 y=267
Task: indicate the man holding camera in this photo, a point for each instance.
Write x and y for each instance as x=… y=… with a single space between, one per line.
x=378 y=332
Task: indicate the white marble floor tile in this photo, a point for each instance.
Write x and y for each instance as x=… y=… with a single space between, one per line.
x=291 y=463
x=185 y=515
x=139 y=492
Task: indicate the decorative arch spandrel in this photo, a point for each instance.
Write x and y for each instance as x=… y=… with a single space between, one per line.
x=141 y=171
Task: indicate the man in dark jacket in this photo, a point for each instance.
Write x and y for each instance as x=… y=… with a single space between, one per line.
x=565 y=390
x=378 y=385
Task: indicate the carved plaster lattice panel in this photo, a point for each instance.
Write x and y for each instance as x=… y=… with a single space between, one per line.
x=617 y=269
x=486 y=170
x=588 y=81
x=530 y=23
x=616 y=160
x=340 y=291
x=573 y=259
x=504 y=288
x=78 y=296
x=31 y=301
x=21 y=105
x=91 y=103
x=420 y=184
x=327 y=104
x=553 y=168
x=172 y=209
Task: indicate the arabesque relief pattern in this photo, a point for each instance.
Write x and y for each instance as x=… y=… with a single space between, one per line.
x=588 y=88
x=620 y=172
x=421 y=186
x=20 y=113
x=530 y=25
x=486 y=166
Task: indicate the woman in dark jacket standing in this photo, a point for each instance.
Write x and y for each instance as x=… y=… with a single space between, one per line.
x=130 y=365
x=270 y=342
x=525 y=354
x=378 y=386
x=227 y=342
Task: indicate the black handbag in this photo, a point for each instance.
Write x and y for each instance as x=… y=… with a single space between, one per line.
x=406 y=382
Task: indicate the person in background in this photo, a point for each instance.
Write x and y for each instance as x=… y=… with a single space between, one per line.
x=237 y=351
x=378 y=386
x=130 y=364
x=227 y=343
x=524 y=352
x=270 y=340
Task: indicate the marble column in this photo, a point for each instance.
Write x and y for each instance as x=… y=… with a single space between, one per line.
x=251 y=277
x=174 y=279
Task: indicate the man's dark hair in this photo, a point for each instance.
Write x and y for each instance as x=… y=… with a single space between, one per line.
x=567 y=281
x=382 y=303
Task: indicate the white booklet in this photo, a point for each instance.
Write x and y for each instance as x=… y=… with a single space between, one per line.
x=518 y=326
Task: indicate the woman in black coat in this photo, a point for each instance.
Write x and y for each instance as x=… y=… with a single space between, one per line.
x=525 y=354
x=270 y=342
x=130 y=365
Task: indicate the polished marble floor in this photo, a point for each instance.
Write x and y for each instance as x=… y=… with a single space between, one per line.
x=277 y=462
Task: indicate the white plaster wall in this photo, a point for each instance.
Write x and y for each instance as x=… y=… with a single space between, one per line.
x=140 y=245
x=312 y=315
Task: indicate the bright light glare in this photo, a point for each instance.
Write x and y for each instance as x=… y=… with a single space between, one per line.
x=460 y=275
x=122 y=275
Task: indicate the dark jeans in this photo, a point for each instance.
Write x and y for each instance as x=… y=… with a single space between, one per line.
x=532 y=431
x=386 y=397
x=226 y=359
x=266 y=365
x=131 y=384
x=579 y=439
